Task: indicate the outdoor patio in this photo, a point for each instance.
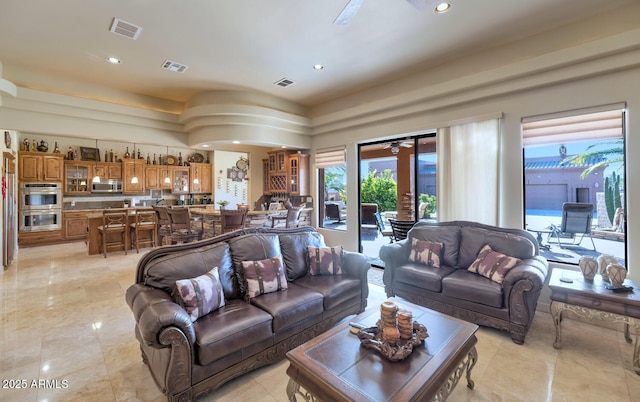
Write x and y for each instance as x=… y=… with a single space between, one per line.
x=372 y=240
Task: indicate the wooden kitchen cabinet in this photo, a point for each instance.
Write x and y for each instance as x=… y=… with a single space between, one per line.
x=75 y=225
x=292 y=179
x=265 y=177
x=108 y=170
x=131 y=168
x=154 y=176
x=40 y=167
x=298 y=174
x=180 y=179
x=76 y=177
x=204 y=173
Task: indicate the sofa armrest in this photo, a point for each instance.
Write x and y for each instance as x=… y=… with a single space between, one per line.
x=393 y=255
x=357 y=266
x=521 y=288
x=533 y=269
x=154 y=311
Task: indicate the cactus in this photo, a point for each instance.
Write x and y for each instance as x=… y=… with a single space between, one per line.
x=612 y=195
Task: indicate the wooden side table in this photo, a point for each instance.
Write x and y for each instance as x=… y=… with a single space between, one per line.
x=592 y=300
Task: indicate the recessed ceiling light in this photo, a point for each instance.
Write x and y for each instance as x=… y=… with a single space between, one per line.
x=205 y=145
x=235 y=142
x=318 y=67
x=114 y=60
x=442 y=8
x=283 y=146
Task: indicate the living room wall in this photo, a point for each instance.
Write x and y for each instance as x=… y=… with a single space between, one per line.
x=608 y=79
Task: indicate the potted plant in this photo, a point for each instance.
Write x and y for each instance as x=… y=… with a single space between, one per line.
x=222 y=203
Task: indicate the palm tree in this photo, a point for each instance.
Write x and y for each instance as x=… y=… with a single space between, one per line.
x=612 y=154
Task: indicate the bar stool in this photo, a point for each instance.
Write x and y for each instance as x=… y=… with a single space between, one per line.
x=113 y=231
x=145 y=221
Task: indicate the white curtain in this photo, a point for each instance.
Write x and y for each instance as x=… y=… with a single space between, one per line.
x=468 y=159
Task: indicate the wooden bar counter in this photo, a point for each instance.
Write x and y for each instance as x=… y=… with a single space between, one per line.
x=95 y=221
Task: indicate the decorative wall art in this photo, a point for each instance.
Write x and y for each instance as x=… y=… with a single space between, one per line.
x=236 y=174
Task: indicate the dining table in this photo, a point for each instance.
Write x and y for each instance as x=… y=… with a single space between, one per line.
x=211 y=219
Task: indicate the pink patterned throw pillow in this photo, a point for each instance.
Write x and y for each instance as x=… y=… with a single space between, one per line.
x=426 y=252
x=325 y=260
x=200 y=295
x=265 y=276
x=493 y=265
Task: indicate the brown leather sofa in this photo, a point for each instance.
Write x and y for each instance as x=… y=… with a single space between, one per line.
x=453 y=290
x=188 y=359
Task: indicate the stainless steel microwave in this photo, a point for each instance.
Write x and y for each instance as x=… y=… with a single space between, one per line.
x=107 y=186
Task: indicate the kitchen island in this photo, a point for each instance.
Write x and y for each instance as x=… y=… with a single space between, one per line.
x=95 y=221
x=209 y=219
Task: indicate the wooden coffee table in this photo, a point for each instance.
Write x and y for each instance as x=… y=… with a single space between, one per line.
x=592 y=300
x=334 y=366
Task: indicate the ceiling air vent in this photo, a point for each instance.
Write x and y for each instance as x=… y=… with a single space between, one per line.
x=284 y=82
x=173 y=66
x=125 y=28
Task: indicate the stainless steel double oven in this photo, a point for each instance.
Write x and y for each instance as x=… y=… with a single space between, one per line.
x=40 y=207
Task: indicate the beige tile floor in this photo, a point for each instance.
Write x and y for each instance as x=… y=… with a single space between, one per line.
x=67 y=335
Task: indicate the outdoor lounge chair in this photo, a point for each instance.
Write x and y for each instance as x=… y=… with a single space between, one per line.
x=576 y=220
x=383 y=230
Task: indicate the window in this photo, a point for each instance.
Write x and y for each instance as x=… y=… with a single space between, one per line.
x=569 y=158
x=332 y=185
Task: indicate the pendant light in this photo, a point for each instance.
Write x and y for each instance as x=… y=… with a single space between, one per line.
x=134 y=179
x=167 y=179
x=96 y=178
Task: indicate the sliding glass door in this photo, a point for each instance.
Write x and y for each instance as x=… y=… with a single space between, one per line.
x=397 y=181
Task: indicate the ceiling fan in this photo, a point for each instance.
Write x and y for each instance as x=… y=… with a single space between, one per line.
x=396 y=145
x=349 y=11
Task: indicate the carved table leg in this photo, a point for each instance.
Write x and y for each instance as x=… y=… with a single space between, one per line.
x=472 y=359
x=294 y=388
x=556 y=314
x=627 y=337
x=636 y=346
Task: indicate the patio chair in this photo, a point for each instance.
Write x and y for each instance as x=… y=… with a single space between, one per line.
x=334 y=212
x=400 y=228
x=382 y=229
x=576 y=220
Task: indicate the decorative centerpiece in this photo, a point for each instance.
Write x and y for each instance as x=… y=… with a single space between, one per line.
x=395 y=334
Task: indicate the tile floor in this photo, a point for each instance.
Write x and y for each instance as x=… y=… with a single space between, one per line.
x=66 y=334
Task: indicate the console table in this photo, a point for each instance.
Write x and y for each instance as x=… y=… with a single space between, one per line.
x=592 y=300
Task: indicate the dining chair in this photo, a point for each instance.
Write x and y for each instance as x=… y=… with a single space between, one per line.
x=145 y=221
x=113 y=231
x=164 y=224
x=233 y=219
x=182 y=229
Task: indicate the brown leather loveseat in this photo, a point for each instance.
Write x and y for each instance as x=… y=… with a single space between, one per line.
x=190 y=355
x=484 y=274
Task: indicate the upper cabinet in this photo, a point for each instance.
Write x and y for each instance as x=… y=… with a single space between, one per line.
x=40 y=167
x=108 y=170
x=133 y=168
x=155 y=176
x=286 y=173
x=203 y=173
x=298 y=174
x=76 y=177
x=180 y=180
